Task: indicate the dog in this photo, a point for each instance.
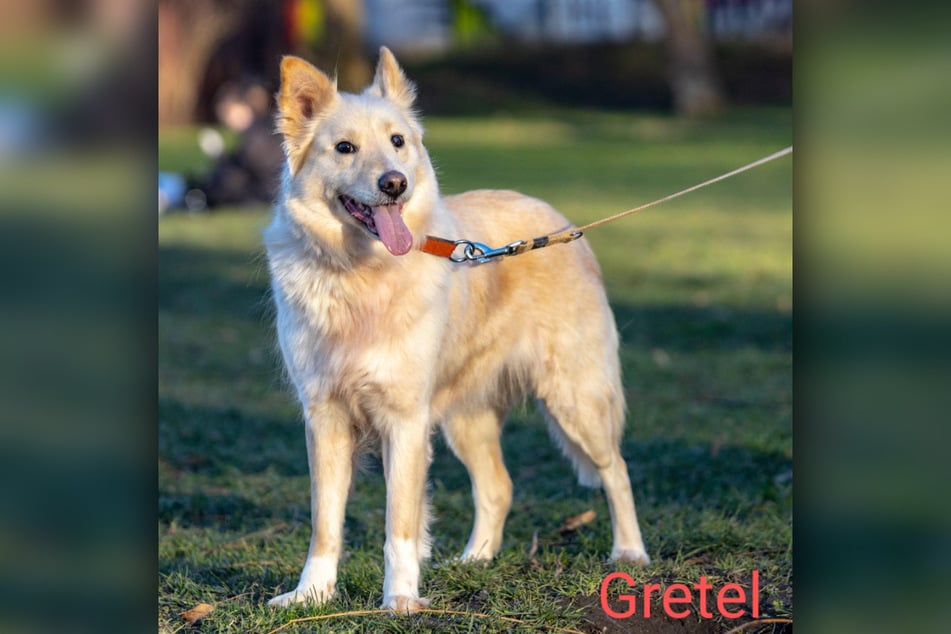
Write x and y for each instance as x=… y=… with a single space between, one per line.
x=382 y=339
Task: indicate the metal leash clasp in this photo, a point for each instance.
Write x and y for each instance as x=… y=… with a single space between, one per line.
x=477 y=252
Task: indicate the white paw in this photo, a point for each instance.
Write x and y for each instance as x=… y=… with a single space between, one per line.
x=403 y=604
x=633 y=555
x=479 y=549
x=473 y=558
x=311 y=594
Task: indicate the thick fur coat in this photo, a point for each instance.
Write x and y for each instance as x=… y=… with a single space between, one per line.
x=383 y=339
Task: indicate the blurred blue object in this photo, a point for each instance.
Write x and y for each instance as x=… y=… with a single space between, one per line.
x=20 y=126
x=171 y=187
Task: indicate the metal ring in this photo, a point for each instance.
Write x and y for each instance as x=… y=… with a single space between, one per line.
x=465 y=252
x=474 y=251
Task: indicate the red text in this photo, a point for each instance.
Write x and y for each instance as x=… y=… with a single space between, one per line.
x=677 y=599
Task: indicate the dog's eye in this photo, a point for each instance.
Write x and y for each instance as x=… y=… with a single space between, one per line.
x=398 y=140
x=345 y=147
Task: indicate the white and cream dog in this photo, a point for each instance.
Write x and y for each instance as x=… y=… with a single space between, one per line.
x=379 y=337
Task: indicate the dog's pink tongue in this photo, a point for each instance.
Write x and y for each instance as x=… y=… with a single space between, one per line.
x=392 y=230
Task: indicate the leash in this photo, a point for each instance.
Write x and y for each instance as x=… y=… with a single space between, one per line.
x=472 y=251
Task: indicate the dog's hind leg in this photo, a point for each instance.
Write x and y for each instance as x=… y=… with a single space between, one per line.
x=474 y=438
x=585 y=414
x=330 y=458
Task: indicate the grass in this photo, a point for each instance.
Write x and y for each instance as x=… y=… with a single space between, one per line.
x=701 y=289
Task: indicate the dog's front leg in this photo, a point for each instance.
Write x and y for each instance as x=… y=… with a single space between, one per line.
x=329 y=456
x=406 y=457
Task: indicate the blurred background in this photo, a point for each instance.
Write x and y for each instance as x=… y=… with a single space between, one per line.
x=78 y=111
x=218 y=62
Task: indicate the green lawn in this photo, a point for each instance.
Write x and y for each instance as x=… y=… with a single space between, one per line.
x=702 y=293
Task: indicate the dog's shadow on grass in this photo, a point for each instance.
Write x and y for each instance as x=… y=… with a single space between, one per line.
x=197 y=282
x=217 y=462
x=212 y=444
x=674 y=480
x=685 y=328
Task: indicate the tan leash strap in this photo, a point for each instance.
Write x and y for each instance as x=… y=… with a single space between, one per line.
x=468 y=250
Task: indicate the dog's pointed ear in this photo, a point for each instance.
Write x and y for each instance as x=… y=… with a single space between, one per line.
x=305 y=91
x=390 y=82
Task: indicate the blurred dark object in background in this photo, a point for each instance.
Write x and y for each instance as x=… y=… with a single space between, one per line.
x=526 y=78
x=190 y=34
x=250 y=172
x=692 y=74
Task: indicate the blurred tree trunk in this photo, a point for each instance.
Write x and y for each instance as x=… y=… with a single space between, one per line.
x=692 y=71
x=345 y=22
x=189 y=32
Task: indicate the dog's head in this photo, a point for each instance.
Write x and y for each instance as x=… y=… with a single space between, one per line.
x=360 y=157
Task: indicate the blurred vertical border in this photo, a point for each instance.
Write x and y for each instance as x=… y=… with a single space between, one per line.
x=77 y=315
x=873 y=298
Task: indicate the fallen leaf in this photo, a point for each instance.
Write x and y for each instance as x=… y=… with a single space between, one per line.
x=575 y=521
x=198 y=612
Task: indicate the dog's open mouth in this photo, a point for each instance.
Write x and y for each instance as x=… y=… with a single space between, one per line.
x=383 y=221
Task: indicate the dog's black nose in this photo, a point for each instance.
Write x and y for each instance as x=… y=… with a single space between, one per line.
x=392 y=183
